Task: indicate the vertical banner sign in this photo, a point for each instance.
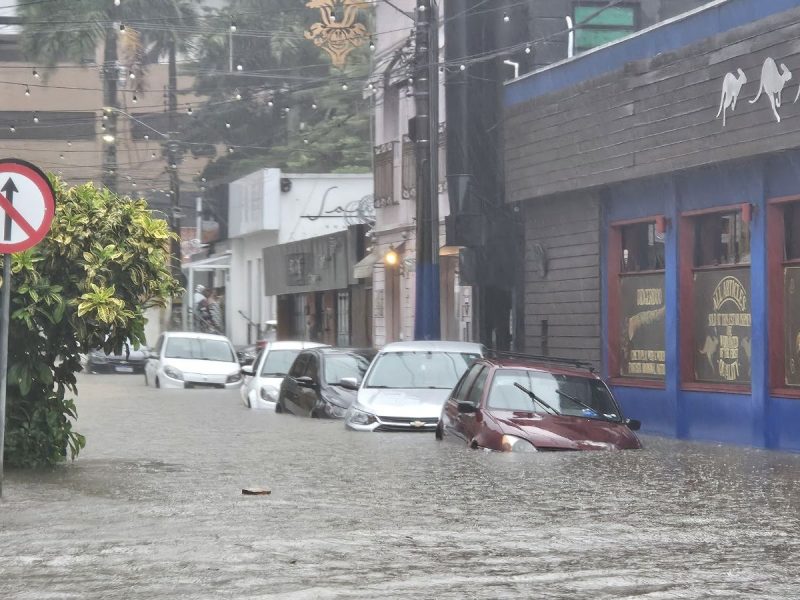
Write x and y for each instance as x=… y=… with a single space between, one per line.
x=791 y=309
x=723 y=325
x=27 y=207
x=641 y=348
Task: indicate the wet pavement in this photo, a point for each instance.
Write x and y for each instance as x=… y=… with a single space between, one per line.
x=153 y=509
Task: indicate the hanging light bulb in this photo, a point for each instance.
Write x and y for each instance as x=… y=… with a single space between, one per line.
x=132 y=75
x=61 y=156
x=135 y=99
x=239 y=67
x=105 y=117
x=69 y=143
x=12 y=129
x=146 y=137
x=35 y=74
x=305 y=141
x=270 y=103
x=116 y=2
x=463 y=67
x=233 y=27
x=371 y=44
x=528 y=49
x=227 y=125
x=230 y=149
x=133 y=184
x=313 y=106
x=152 y=155
x=122 y=27
x=344 y=85
x=506 y=18
x=189 y=111
x=237 y=95
x=286 y=109
x=27 y=91
x=35 y=117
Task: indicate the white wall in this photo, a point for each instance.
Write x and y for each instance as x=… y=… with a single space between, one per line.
x=311 y=195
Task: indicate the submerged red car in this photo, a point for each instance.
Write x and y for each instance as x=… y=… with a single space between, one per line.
x=531 y=404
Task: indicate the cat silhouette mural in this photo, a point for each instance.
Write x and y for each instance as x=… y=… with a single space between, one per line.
x=772 y=83
x=731 y=87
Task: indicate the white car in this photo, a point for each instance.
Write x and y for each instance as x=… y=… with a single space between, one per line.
x=185 y=359
x=408 y=383
x=263 y=378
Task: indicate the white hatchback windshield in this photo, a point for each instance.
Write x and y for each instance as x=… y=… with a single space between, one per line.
x=199 y=349
x=416 y=370
x=278 y=362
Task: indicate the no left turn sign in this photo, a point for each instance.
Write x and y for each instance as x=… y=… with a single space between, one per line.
x=27 y=205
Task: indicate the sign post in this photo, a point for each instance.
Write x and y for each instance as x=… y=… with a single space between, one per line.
x=27 y=203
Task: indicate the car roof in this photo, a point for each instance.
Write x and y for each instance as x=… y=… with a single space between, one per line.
x=542 y=365
x=292 y=345
x=195 y=335
x=340 y=350
x=433 y=346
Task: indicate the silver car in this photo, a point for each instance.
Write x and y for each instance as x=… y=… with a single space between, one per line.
x=407 y=385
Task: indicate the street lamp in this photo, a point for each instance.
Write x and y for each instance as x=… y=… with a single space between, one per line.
x=391 y=258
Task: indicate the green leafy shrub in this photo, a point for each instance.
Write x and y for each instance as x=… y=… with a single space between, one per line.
x=87 y=285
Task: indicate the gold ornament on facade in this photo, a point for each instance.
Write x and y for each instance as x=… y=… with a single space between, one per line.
x=338 y=37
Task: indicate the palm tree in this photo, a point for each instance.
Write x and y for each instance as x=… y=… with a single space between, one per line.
x=50 y=35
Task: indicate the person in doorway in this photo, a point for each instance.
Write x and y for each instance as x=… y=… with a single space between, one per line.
x=214 y=310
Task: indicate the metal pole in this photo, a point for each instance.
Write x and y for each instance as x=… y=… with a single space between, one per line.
x=426 y=317
x=5 y=306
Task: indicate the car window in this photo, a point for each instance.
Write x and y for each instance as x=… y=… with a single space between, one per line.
x=299 y=365
x=312 y=368
x=419 y=370
x=476 y=391
x=199 y=349
x=278 y=362
x=339 y=366
x=568 y=394
x=463 y=386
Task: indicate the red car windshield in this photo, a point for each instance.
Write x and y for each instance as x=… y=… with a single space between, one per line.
x=570 y=395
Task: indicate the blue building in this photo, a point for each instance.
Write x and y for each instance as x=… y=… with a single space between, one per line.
x=658 y=179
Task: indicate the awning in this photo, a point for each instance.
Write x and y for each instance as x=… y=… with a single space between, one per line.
x=363 y=268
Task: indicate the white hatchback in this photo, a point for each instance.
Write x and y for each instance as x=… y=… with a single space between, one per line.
x=263 y=378
x=186 y=359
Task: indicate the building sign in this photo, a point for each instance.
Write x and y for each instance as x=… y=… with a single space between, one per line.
x=641 y=350
x=296 y=269
x=791 y=315
x=722 y=325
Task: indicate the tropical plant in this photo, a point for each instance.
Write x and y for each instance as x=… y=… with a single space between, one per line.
x=87 y=285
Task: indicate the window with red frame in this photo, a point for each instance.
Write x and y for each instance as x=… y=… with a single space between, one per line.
x=639 y=311
x=719 y=316
x=791 y=293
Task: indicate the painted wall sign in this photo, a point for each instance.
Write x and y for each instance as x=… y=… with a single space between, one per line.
x=771 y=84
x=722 y=325
x=791 y=315
x=642 y=352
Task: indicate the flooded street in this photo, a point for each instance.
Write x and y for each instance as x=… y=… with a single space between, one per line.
x=153 y=509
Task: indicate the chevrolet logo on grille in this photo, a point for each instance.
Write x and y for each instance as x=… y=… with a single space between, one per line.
x=417 y=423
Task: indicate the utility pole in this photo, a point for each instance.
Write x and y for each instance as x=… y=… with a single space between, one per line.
x=173 y=158
x=426 y=145
x=110 y=103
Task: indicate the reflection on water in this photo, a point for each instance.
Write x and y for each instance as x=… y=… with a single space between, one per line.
x=153 y=509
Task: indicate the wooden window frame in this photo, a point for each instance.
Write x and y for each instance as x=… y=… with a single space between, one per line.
x=686 y=244
x=384 y=186
x=776 y=241
x=613 y=313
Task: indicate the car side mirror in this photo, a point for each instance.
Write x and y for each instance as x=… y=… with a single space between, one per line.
x=305 y=381
x=247 y=370
x=467 y=407
x=633 y=424
x=349 y=383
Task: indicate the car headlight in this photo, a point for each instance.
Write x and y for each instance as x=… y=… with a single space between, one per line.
x=268 y=393
x=511 y=443
x=234 y=377
x=173 y=373
x=359 y=417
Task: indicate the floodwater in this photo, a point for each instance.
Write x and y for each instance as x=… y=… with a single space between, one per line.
x=153 y=509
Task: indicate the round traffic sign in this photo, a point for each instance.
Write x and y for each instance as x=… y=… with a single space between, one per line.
x=27 y=205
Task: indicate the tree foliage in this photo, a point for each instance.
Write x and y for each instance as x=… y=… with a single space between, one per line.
x=86 y=286
x=294 y=112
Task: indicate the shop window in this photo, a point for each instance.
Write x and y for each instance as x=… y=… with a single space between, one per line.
x=636 y=302
x=716 y=328
x=721 y=239
x=783 y=266
x=597 y=23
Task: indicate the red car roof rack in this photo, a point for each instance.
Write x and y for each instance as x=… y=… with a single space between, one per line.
x=581 y=364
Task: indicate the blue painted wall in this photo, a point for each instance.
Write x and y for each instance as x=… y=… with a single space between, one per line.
x=755 y=419
x=666 y=37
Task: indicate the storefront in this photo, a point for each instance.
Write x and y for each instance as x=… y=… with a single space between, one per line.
x=686 y=138
x=318 y=297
